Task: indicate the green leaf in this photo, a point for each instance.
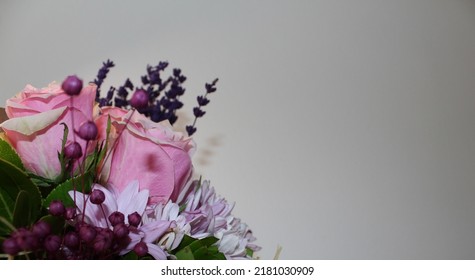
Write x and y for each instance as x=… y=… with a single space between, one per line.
x=208 y=253
x=6 y=226
x=206 y=242
x=12 y=181
x=130 y=256
x=22 y=212
x=185 y=254
x=249 y=252
x=187 y=240
x=82 y=182
x=62 y=159
x=198 y=249
x=6 y=205
x=7 y=153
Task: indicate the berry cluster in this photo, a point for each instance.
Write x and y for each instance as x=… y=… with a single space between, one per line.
x=77 y=239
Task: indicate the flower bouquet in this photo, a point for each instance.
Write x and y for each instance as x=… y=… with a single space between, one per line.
x=86 y=176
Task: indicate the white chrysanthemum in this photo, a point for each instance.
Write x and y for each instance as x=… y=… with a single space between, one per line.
x=169 y=212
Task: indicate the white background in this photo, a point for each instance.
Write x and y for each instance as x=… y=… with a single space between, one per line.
x=341 y=129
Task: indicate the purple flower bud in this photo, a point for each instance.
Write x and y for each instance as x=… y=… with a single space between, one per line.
x=56 y=208
x=97 y=197
x=210 y=88
x=41 y=229
x=71 y=240
x=134 y=219
x=88 y=131
x=73 y=151
x=202 y=101
x=10 y=246
x=123 y=242
x=139 y=99
x=141 y=249
x=198 y=112
x=52 y=243
x=25 y=239
x=103 y=240
x=87 y=233
x=72 y=85
x=70 y=213
x=133 y=229
x=190 y=129
x=116 y=218
x=121 y=231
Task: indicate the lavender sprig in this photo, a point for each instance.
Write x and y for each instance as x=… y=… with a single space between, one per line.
x=101 y=75
x=202 y=101
x=164 y=94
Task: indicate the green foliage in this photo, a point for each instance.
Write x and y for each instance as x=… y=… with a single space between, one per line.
x=198 y=249
x=7 y=153
x=61 y=157
x=15 y=185
x=22 y=211
x=7 y=205
x=82 y=183
x=130 y=256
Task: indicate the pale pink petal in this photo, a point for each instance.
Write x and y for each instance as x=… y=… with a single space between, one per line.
x=155 y=230
x=130 y=200
x=156 y=252
x=151 y=166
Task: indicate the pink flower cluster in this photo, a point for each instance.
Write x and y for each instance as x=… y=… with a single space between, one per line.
x=147 y=170
x=152 y=153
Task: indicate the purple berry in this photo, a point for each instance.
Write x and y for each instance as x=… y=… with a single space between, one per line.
x=134 y=219
x=87 y=233
x=71 y=240
x=72 y=85
x=41 y=229
x=123 y=242
x=88 y=131
x=139 y=99
x=70 y=213
x=97 y=197
x=25 y=239
x=103 y=240
x=56 y=208
x=141 y=249
x=10 y=246
x=73 y=151
x=52 y=243
x=116 y=218
x=121 y=231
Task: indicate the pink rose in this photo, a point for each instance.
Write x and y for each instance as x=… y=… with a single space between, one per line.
x=34 y=126
x=152 y=153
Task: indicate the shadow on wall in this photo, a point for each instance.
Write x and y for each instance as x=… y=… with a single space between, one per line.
x=207 y=149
